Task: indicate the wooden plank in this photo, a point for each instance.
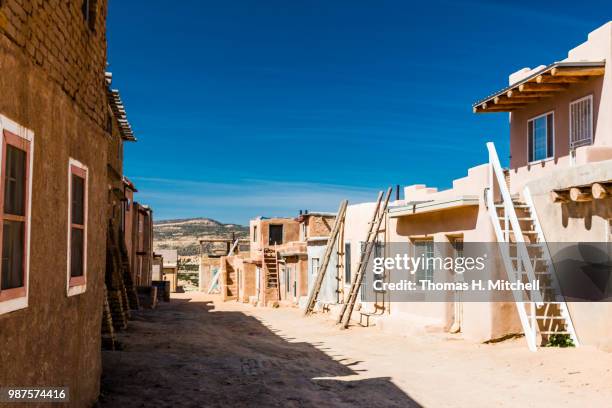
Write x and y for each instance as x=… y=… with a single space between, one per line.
x=540 y=87
x=499 y=100
x=541 y=79
x=577 y=71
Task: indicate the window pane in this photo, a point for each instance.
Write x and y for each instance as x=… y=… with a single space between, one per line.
x=425 y=250
x=540 y=138
x=530 y=140
x=14 y=181
x=12 y=254
x=76 y=252
x=78 y=200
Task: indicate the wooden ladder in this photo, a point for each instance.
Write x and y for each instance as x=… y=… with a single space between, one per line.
x=271 y=262
x=331 y=242
x=374 y=229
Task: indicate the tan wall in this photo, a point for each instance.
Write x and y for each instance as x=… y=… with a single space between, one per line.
x=52 y=82
x=560 y=106
x=291 y=232
x=579 y=222
x=598 y=47
x=319 y=226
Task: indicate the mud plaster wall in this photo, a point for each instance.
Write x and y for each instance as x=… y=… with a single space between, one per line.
x=52 y=83
x=320 y=226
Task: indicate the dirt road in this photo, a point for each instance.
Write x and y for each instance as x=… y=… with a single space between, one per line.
x=198 y=352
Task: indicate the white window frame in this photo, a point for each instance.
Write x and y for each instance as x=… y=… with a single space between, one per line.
x=571 y=136
x=552 y=112
x=21 y=302
x=73 y=290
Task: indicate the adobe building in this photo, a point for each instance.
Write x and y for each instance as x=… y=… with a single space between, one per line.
x=170 y=267
x=53 y=126
x=120 y=289
x=141 y=251
x=560 y=165
x=557 y=189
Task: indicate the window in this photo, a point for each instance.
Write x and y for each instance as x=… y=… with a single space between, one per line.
x=255 y=233
x=315 y=266
x=347 y=263
x=540 y=137
x=425 y=250
x=276 y=235
x=15 y=215
x=77 y=228
x=581 y=122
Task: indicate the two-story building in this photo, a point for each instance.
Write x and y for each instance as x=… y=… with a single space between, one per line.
x=53 y=128
x=556 y=190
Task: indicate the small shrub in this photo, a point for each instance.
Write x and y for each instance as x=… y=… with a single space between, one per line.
x=560 y=340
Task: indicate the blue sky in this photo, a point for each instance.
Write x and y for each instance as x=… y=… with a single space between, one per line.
x=246 y=108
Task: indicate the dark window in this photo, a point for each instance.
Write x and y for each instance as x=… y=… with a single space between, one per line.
x=255 y=233
x=347 y=263
x=78 y=199
x=13 y=230
x=89 y=13
x=276 y=234
x=76 y=252
x=14 y=181
x=13 y=245
x=77 y=230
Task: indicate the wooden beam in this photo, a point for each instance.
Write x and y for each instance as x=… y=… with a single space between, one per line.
x=536 y=87
x=541 y=79
x=600 y=190
x=577 y=71
x=580 y=194
x=498 y=100
x=514 y=93
x=560 y=196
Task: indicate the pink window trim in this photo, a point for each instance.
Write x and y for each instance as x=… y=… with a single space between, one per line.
x=22 y=144
x=80 y=172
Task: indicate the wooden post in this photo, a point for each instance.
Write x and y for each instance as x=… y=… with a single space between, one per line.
x=580 y=194
x=600 y=191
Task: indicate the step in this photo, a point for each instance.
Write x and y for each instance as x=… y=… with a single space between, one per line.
x=547 y=317
x=523 y=232
x=519 y=206
x=554 y=332
x=518 y=218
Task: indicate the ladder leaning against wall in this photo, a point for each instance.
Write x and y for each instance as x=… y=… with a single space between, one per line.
x=373 y=231
x=526 y=257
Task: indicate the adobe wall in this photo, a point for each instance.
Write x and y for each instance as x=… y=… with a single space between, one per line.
x=46 y=51
x=579 y=222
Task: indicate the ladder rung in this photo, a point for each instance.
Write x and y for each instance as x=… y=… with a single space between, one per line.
x=547 y=317
x=518 y=218
x=554 y=332
x=523 y=232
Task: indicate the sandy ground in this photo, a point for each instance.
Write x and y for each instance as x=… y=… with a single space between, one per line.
x=198 y=352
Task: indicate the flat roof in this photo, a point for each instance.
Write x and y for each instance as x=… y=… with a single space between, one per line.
x=420 y=207
x=541 y=84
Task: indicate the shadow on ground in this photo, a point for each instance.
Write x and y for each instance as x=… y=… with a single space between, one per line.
x=186 y=354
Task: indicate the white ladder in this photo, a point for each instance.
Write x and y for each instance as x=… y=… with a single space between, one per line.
x=535 y=311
